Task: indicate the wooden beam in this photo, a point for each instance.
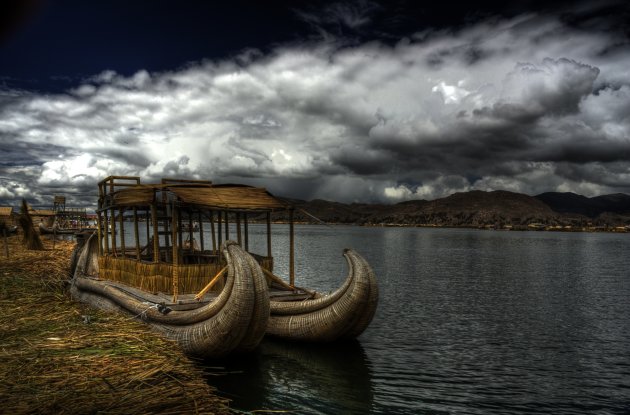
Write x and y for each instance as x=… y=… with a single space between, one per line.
x=123 y=248
x=246 y=232
x=136 y=232
x=174 y=238
x=212 y=282
x=219 y=219
x=106 y=227
x=269 y=234
x=201 y=241
x=214 y=238
x=227 y=226
x=292 y=250
x=156 y=235
x=238 y=228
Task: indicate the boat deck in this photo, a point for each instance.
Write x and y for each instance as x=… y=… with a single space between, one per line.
x=188 y=301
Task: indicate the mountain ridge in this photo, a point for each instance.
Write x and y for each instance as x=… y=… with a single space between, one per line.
x=477 y=208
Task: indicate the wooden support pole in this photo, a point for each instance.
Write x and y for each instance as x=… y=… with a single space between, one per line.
x=292 y=251
x=227 y=226
x=190 y=231
x=212 y=282
x=219 y=219
x=167 y=236
x=246 y=232
x=214 y=237
x=269 y=234
x=99 y=232
x=179 y=230
x=123 y=248
x=146 y=219
x=107 y=231
x=113 y=231
x=156 y=235
x=201 y=241
x=136 y=232
x=238 y=228
x=174 y=237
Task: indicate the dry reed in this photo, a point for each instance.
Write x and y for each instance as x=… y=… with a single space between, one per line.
x=60 y=356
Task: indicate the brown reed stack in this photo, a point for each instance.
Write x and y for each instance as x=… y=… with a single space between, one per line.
x=60 y=356
x=30 y=239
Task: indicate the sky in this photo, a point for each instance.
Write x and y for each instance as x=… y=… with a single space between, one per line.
x=352 y=101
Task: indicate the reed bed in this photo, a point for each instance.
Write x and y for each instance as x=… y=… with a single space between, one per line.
x=60 y=356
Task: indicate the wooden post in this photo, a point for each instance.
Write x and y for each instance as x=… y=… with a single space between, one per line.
x=238 y=228
x=219 y=226
x=167 y=241
x=113 y=225
x=246 y=232
x=190 y=231
x=136 y=232
x=174 y=237
x=214 y=238
x=146 y=219
x=99 y=232
x=156 y=235
x=269 y=234
x=107 y=231
x=292 y=251
x=227 y=226
x=123 y=248
x=201 y=241
x=179 y=229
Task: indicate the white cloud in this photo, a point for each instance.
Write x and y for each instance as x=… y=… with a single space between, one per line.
x=472 y=109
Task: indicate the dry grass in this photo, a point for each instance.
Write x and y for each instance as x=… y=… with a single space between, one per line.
x=59 y=356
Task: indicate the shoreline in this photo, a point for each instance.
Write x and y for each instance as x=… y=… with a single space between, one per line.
x=61 y=356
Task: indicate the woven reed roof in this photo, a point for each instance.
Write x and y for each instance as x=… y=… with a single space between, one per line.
x=230 y=197
x=135 y=196
x=6 y=210
x=221 y=197
x=41 y=212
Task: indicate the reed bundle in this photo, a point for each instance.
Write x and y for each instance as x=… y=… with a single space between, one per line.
x=30 y=239
x=158 y=277
x=60 y=356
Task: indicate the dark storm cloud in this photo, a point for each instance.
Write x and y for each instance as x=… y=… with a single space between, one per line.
x=528 y=103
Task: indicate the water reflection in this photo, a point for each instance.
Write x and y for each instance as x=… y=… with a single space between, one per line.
x=306 y=378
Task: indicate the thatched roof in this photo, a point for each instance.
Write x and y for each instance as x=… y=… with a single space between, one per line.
x=6 y=210
x=235 y=197
x=230 y=197
x=41 y=212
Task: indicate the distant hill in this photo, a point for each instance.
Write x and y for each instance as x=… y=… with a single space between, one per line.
x=571 y=203
x=498 y=209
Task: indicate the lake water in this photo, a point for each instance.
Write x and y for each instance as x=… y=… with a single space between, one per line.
x=469 y=322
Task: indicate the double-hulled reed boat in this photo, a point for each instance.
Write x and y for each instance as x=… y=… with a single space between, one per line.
x=162 y=252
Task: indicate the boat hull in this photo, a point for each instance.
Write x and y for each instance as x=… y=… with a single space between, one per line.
x=343 y=314
x=234 y=321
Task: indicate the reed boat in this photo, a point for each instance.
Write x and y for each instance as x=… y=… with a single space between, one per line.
x=164 y=253
x=212 y=302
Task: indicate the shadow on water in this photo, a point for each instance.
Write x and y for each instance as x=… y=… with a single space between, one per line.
x=306 y=378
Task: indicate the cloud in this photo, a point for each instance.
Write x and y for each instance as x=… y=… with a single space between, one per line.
x=528 y=104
